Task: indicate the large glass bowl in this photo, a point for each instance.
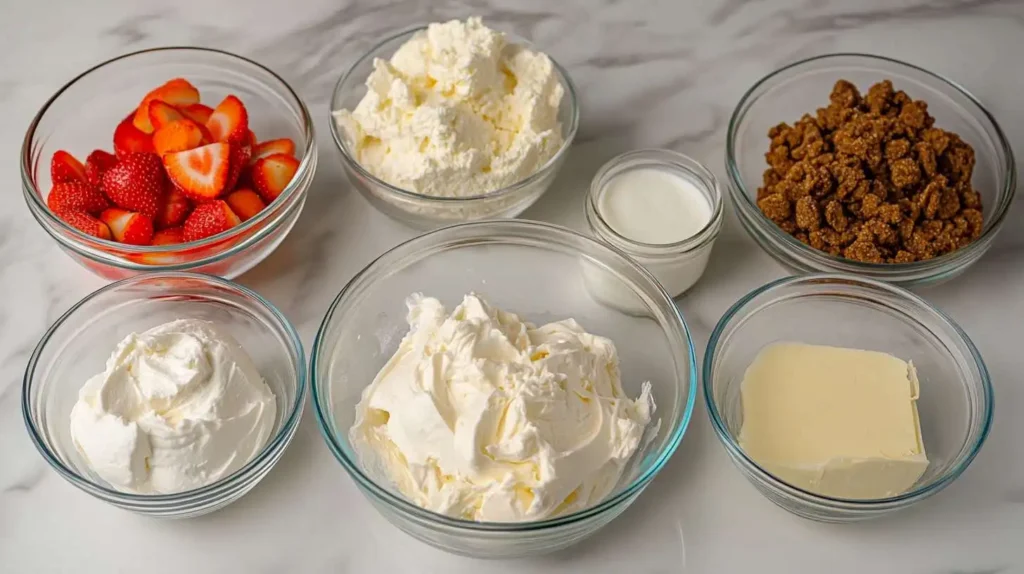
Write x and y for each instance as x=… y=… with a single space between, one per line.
x=955 y=404
x=537 y=271
x=426 y=212
x=82 y=116
x=79 y=342
x=788 y=93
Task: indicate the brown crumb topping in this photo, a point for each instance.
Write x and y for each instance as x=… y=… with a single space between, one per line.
x=870 y=178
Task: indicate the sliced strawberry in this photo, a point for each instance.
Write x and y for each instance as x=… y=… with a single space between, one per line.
x=178 y=135
x=97 y=164
x=161 y=113
x=272 y=174
x=245 y=203
x=130 y=139
x=252 y=139
x=200 y=173
x=136 y=183
x=177 y=92
x=229 y=121
x=64 y=167
x=169 y=236
x=198 y=113
x=271 y=147
x=240 y=154
x=174 y=209
x=86 y=224
x=128 y=226
x=208 y=219
x=76 y=196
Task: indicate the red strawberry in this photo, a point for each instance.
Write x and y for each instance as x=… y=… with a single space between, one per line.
x=174 y=210
x=272 y=174
x=76 y=196
x=136 y=183
x=177 y=92
x=208 y=219
x=169 y=236
x=178 y=135
x=200 y=173
x=245 y=202
x=161 y=113
x=96 y=165
x=229 y=121
x=86 y=224
x=128 y=227
x=130 y=139
x=198 y=113
x=269 y=148
x=64 y=167
x=252 y=139
x=240 y=154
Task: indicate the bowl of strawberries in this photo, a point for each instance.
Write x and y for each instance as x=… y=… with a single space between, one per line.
x=170 y=159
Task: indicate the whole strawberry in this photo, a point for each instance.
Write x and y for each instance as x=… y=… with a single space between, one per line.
x=136 y=183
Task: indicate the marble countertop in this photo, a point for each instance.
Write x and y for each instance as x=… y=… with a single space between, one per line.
x=651 y=73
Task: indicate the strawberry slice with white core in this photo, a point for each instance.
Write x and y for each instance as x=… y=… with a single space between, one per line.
x=177 y=92
x=198 y=113
x=200 y=173
x=161 y=113
x=128 y=226
x=229 y=121
x=271 y=175
x=271 y=147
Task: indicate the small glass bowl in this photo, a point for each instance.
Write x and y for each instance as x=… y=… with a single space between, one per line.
x=788 y=93
x=114 y=88
x=532 y=269
x=955 y=404
x=676 y=265
x=424 y=211
x=77 y=345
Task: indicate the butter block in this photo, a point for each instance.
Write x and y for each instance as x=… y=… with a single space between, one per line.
x=833 y=421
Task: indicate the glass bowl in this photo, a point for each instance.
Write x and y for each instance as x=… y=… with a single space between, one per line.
x=788 y=93
x=112 y=89
x=426 y=212
x=77 y=345
x=532 y=269
x=955 y=404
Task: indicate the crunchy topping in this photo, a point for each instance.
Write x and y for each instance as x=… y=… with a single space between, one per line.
x=870 y=178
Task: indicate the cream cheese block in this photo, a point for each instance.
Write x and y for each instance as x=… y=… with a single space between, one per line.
x=833 y=421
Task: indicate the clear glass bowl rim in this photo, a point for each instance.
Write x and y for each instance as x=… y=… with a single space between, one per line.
x=34 y=197
x=543 y=170
x=402 y=505
x=726 y=437
x=223 y=485
x=940 y=264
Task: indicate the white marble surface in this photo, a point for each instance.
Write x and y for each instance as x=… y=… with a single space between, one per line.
x=651 y=73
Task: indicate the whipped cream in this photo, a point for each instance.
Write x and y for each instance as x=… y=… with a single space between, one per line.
x=178 y=407
x=457 y=112
x=482 y=416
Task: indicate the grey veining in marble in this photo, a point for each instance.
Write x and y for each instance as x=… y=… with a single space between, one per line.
x=650 y=73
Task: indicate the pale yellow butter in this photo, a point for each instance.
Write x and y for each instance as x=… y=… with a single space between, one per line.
x=838 y=422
